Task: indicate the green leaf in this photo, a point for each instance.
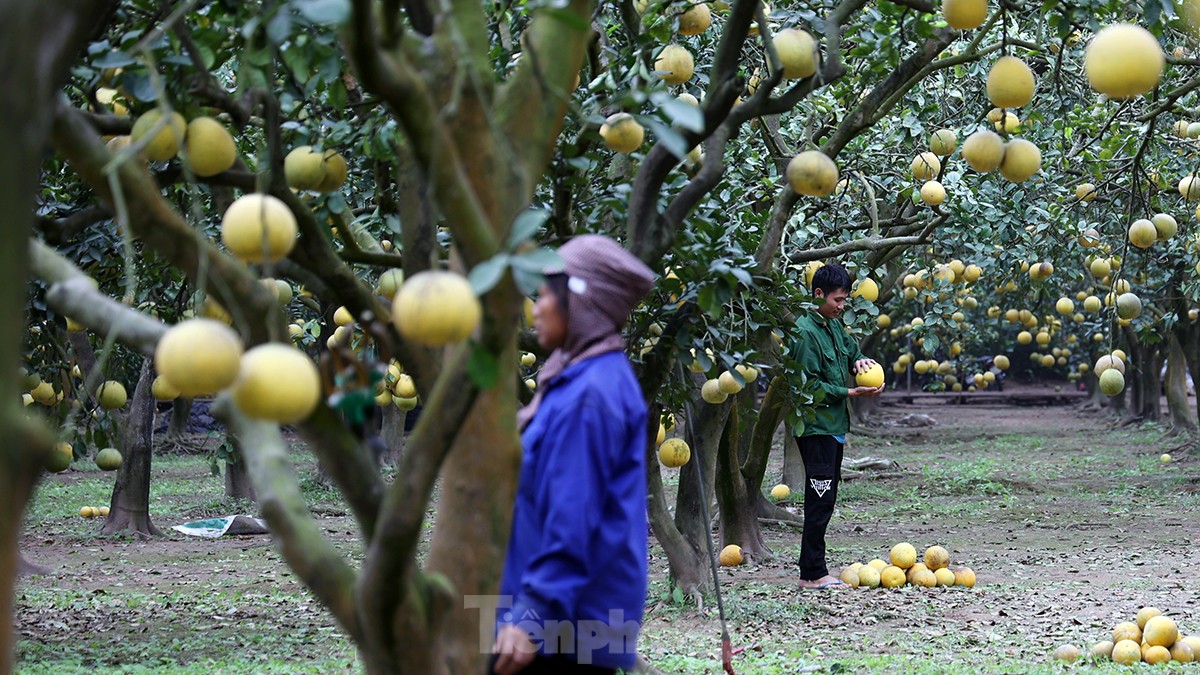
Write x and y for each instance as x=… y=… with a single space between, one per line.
x=525 y=225
x=483 y=368
x=323 y=11
x=487 y=274
x=681 y=113
x=672 y=139
x=279 y=28
x=527 y=282
x=538 y=260
x=114 y=59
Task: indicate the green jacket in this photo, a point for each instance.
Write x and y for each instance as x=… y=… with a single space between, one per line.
x=826 y=353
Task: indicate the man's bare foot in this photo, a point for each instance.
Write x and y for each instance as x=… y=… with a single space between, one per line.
x=824 y=582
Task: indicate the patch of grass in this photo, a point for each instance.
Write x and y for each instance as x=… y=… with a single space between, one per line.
x=971 y=477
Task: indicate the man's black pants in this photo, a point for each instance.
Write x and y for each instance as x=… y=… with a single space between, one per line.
x=822 y=457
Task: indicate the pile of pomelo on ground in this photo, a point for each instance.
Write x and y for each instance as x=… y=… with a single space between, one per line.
x=1151 y=638
x=905 y=570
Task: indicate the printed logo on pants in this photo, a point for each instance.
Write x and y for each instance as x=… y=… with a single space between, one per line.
x=820 y=486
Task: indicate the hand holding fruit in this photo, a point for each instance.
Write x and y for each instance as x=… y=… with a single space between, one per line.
x=868 y=375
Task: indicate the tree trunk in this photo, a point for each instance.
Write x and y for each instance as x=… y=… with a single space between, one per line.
x=392 y=433
x=704 y=428
x=1191 y=353
x=738 y=517
x=181 y=410
x=793 y=463
x=1177 y=375
x=237 y=478
x=130 y=505
x=26 y=568
x=478 y=490
x=40 y=41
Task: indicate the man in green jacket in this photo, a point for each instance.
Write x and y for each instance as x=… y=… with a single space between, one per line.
x=828 y=355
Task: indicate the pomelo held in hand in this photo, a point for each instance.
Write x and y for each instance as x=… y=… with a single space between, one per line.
x=871 y=377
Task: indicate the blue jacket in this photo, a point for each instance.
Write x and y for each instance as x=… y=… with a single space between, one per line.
x=577 y=557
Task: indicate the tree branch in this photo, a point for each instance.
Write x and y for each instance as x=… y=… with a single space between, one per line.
x=74 y=294
x=62 y=230
x=156 y=223
x=868 y=244
x=301 y=541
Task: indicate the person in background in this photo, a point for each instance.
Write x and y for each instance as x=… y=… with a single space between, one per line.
x=576 y=567
x=828 y=354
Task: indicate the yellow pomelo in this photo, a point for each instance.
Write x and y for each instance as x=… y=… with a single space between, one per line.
x=936 y=558
x=943 y=142
x=1010 y=83
x=891 y=577
x=1126 y=652
x=1102 y=649
x=1123 y=60
x=209 y=147
x=903 y=555
x=728 y=383
x=304 y=168
x=436 y=308
x=1021 y=160
x=43 y=393
x=111 y=395
x=278 y=383
x=1165 y=226
x=528 y=359
x=87 y=512
x=797 y=52
x=674 y=64
x=868 y=576
x=871 y=377
x=984 y=151
x=1182 y=652
x=343 y=317
x=1009 y=123
x=883 y=321
x=1145 y=614
x=923 y=578
x=1000 y=361
x=1112 y=382
x=914 y=569
x=932 y=193
x=926 y=166
x=674 y=452
x=1189 y=187
x=405 y=386
x=878 y=564
x=1041 y=271
x=965 y=577
x=410 y=403
x=1160 y=631
x=965 y=14
x=1155 y=655
x=165 y=142
x=731 y=555
x=1064 y=306
x=849 y=576
x=1142 y=233
x=695 y=20
x=108 y=459
x=1100 y=268
x=334 y=171
x=866 y=288
x=1024 y=337
x=1192 y=641
x=780 y=491
x=199 y=356
x=163 y=390
x=944 y=577
x=1067 y=653
x=812 y=173
x=1043 y=338
x=1129 y=306
x=258 y=228
x=711 y=392
x=622 y=133
x=1085 y=192
x=972 y=272
x=389 y=283
x=59 y=459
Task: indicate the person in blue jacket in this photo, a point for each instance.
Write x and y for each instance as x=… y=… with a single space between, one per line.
x=577 y=557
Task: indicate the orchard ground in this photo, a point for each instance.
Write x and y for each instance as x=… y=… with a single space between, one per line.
x=1070 y=525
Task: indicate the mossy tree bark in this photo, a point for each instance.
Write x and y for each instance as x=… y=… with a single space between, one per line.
x=41 y=40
